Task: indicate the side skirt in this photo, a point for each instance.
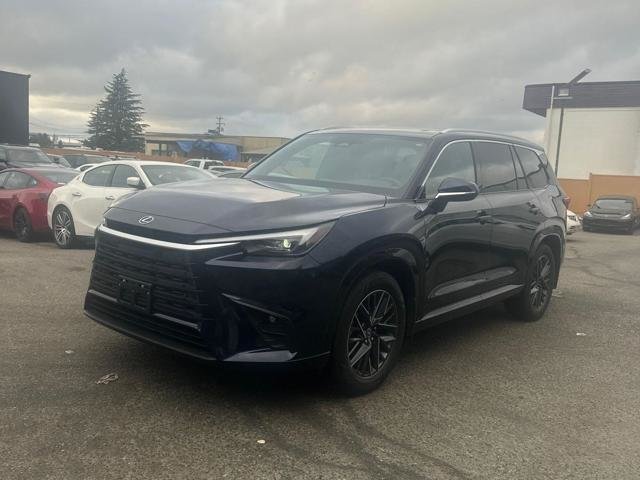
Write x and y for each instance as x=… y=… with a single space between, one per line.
x=465 y=306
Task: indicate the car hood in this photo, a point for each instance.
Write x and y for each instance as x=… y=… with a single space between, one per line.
x=242 y=205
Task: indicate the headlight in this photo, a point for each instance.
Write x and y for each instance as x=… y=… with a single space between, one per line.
x=587 y=214
x=292 y=242
x=626 y=217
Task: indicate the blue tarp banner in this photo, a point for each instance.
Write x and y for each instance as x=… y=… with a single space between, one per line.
x=220 y=151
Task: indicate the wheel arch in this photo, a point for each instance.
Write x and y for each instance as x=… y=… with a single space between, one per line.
x=402 y=258
x=554 y=238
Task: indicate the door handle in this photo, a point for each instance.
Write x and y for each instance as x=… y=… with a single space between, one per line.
x=109 y=197
x=483 y=216
x=533 y=208
x=76 y=194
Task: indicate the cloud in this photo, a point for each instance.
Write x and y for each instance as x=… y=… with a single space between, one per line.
x=281 y=67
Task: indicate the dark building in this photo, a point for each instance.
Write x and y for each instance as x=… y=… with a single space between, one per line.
x=14 y=108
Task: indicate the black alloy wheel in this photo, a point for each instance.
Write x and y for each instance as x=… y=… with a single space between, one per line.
x=369 y=334
x=372 y=333
x=22 y=225
x=532 y=302
x=63 y=230
x=540 y=285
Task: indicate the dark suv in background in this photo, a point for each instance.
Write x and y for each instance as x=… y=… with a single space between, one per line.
x=23 y=157
x=334 y=249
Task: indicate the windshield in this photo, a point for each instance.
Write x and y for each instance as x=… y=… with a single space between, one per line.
x=28 y=155
x=614 y=203
x=60 y=177
x=158 y=174
x=367 y=162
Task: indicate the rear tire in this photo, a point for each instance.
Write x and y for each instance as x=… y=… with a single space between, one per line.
x=22 y=225
x=531 y=304
x=369 y=335
x=64 y=233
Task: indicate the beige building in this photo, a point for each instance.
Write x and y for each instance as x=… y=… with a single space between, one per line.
x=223 y=147
x=591 y=127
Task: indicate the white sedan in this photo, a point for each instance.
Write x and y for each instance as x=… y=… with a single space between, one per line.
x=76 y=209
x=573 y=222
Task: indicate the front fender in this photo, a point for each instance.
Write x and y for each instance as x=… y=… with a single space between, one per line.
x=401 y=256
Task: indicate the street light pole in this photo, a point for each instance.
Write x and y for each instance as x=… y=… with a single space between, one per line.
x=573 y=81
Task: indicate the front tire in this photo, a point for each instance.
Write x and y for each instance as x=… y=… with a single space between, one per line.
x=64 y=233
x=22 y=225
x=531 y=304
x=369 y=335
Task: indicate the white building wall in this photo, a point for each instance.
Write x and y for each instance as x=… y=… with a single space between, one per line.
x=595 y=140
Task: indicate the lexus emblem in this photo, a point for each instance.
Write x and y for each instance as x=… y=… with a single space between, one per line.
x=145 y=220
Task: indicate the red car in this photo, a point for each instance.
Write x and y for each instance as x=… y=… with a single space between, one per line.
x=23 y=198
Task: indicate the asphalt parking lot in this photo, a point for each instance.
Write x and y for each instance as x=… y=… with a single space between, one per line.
x=481 y=397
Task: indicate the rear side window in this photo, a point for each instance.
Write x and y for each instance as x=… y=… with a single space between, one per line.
x=533 y=167
x=496 y=171
x=18 y=180
x=98 y=176
x=3 y=177
x=547 y=168
x=122 y=173
x=455 y=161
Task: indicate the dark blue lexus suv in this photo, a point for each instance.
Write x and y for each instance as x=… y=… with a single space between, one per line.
x=334 y=249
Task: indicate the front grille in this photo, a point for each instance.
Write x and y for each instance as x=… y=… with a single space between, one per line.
x=169 y=297
x=174 y=290
x=172 y=306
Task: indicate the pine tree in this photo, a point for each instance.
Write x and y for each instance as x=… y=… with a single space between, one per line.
x=116 y=121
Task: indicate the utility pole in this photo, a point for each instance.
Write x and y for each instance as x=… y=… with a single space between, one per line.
x=220 y=124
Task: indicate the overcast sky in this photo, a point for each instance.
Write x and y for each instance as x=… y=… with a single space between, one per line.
x=280 y=67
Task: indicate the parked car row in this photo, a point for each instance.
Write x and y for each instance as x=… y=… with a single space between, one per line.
x=70 y=203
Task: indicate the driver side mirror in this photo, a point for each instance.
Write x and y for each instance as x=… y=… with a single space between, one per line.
x=135 y=182
x=452 y=190
x=457 y=190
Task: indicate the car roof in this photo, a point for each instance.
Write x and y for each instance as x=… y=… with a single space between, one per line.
x=17 y=147
x=39 y=170
x=133 y=163
x=446 y=134
x=615 y=197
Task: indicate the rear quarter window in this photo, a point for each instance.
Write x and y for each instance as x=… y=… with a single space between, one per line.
x=534 y=169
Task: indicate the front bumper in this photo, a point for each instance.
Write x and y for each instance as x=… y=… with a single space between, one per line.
x=607 y=223
x=216 y=309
